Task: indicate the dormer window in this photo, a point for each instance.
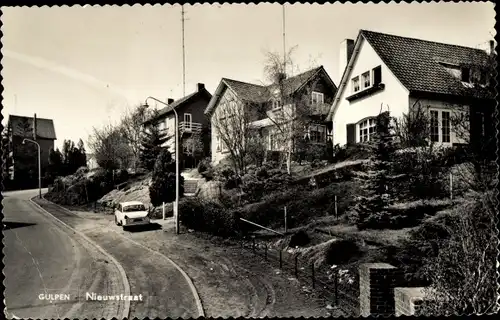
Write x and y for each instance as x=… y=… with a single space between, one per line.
x=465 y=74
x=355 y=84
x=317 y=98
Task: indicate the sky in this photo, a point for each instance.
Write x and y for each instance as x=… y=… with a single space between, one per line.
x=85 y=67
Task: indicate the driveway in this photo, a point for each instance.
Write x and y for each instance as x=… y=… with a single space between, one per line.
x=43 y=258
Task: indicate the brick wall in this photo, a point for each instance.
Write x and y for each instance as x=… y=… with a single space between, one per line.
x=376 y=292
x=382 y=291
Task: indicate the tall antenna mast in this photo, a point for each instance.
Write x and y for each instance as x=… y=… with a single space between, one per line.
x=183 y=56
x=284 y=45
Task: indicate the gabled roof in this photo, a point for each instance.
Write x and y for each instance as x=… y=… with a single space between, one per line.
x=179 y=103
x=250 y=92
x=22 y=126
x=418 y=64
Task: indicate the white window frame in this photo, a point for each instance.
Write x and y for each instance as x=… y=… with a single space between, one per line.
x=320 y=98
x=440 y=126
x=363 y=79
x=368 y=124
x=276 y=104
x=353 y=83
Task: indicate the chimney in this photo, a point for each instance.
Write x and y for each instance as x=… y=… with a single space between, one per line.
x=201 y=86
x=346 y=49
x=170 y=101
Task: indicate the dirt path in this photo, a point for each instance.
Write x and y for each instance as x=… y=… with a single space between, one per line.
x=230 y=280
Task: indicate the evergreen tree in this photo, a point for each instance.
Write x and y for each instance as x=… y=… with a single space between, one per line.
x=55 y=166
x=82 y=159
x=162 y=188
x=151 y=147
x=372 y=207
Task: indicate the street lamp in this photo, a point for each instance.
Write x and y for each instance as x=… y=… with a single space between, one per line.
x=39 y=167
x=176 y=204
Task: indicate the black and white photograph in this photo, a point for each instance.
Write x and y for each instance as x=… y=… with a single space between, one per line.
x=249 y=160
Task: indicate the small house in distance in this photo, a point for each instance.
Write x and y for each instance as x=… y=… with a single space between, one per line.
x=21 y=160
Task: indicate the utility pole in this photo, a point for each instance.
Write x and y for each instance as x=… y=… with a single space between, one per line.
x=284 y=44
x=183 y=56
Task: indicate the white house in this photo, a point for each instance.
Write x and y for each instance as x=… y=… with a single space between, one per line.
x=382 y=72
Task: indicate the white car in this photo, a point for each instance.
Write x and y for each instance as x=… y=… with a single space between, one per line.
x=131 y=213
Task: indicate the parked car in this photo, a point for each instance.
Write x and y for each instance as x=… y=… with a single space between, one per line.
x=131 y=213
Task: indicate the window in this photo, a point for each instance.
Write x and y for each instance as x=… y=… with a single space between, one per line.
x=272 y=140
x=134 y=207
x=355 y=84
x=445 y=126
x=187 y=117
x=366 y=79
x=276 y=104
x=317 y=133
x=367 y=129
x=434 y=126
x=317 y=98
x=219 y=143
x=465 y=74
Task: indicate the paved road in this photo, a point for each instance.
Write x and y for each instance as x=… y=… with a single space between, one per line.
x=166 y=291
x=42 y=257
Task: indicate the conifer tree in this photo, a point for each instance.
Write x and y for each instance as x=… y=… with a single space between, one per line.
x=150 y=147
x=372 y=207
x=162 y=188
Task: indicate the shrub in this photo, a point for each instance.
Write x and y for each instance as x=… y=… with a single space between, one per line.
x=226 y=174
x=299 y=239
x=204 y=166
x=342 y=251
x=262 y=181
x=207 y=216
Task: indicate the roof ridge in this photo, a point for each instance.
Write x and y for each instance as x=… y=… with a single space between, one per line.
x=15 y=115
x=418 y=39
x=252 y=84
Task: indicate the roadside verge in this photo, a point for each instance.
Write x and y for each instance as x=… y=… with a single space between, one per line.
x=126 y=309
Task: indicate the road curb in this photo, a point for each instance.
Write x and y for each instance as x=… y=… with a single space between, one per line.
x=190 y=283
x=126 y=311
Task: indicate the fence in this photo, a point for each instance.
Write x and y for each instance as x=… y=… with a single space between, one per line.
x=330 y=283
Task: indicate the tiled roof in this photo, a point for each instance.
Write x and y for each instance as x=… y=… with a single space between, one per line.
x=416 y=63
x=23 y=127
x=258 y=93
x=178 y=103
x=248 y=91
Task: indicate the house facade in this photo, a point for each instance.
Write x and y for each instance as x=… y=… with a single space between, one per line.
x=268 y=112
x=382 y=72
x=194 y=127
x=22 y=159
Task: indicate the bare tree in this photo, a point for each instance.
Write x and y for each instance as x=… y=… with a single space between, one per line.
x=231 y=122
x=413 y=128
x=110 y=148
x=131 y=128
x=291 y=111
